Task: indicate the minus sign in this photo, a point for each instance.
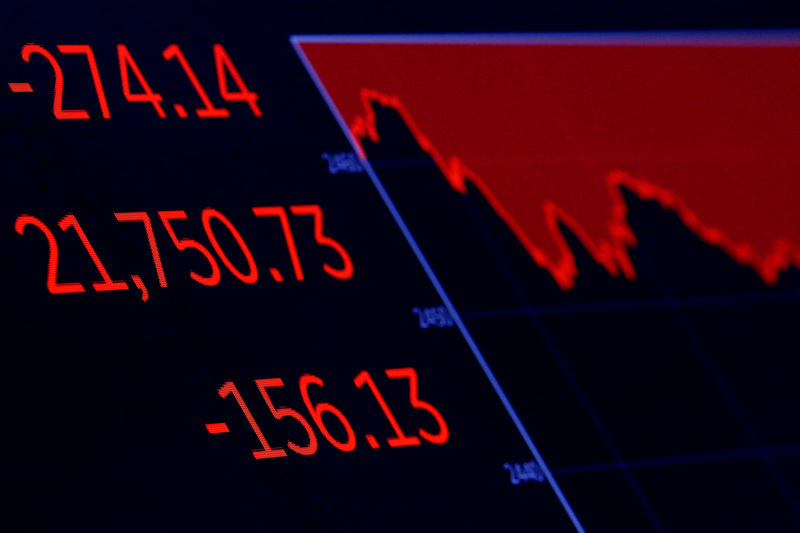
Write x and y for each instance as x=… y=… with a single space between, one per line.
x=220 y=427
x=20 y=87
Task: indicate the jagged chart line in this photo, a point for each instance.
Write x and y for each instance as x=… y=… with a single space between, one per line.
x=673 y=218
x=612 y=254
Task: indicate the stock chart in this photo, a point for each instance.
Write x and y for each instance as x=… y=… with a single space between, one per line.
x=331 y=269
x=563 y=187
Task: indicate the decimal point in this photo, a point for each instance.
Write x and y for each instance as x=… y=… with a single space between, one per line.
x=373 y=442
x=276 y=275
x=180 y=110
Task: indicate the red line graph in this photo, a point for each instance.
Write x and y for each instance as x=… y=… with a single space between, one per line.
x=549 y=133
x=612 y=253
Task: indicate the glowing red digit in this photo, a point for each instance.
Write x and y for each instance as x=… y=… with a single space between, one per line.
x=147 y=95
x=183 y=244
x=224 y=62
x=283 y=412
x=265 y=452
x=250 y=277
x=98 y=85
x=401 y=439
x=411 y=374
x=280 y=212
x=58 y=92
x=346 y=272
x=316 y=412
x=107 y=284
x=52 y=263
x=141 y=216
x=209 y=111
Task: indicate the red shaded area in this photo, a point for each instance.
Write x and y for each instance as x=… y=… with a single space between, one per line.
x=548 y=132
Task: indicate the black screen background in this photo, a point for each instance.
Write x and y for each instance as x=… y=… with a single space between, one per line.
x=105 y=396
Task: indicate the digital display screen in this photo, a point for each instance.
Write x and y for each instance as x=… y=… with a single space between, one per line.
x=325 y=268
